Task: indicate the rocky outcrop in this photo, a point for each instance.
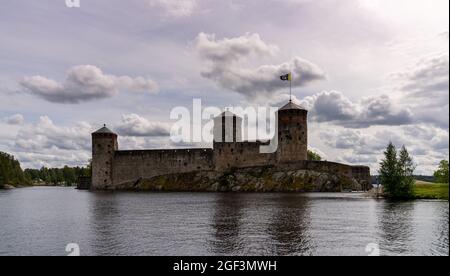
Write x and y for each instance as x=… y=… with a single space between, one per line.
x=255 y=179
x=7 y=187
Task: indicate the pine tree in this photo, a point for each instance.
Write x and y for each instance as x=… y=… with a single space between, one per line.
x=406 y=169
x=389 y=171
x=397 y=174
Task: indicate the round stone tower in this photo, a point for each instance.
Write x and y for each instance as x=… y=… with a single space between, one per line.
x=104 y=144
x=292 y=133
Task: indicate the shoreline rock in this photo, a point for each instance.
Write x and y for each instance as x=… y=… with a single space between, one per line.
x=7 y=187
x=262 y=179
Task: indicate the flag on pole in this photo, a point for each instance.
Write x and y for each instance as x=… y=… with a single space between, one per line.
x=287 y=77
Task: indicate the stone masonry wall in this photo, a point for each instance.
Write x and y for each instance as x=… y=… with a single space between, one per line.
x=195 y=170
x=130 y=166
x=239 y=155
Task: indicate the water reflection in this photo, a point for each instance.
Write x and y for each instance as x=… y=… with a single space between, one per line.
x=289 y=226
x=396 y=226
x=226 y=224
x=40 y=221
x=104 y=222
x=442 y=233
x=246 y=224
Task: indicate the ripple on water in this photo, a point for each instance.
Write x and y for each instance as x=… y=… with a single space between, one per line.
x=41 y=221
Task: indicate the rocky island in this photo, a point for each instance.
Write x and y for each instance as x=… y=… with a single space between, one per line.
x=231 y=165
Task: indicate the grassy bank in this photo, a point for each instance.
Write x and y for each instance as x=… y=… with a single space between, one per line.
x=428 y=190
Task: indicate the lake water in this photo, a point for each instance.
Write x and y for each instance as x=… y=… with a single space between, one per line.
x=42 y=221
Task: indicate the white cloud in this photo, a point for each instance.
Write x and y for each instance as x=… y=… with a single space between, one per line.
x=429 y=77
x=45 y=144
x=425 y=89
x=228 y=50
x=85 y=83
x=16 y=119
x=175 y=8
x=135 y=125
x=225 y=57
x=45 y=135
x=427 y=144
x=334 y=107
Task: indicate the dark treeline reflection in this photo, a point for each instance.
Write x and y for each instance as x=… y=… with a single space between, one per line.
x=227 y=216
x=244 y=225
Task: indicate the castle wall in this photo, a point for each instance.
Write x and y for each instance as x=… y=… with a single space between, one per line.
x=238 y=155
x=130 y=166
x=114 y=169
x=362 y=174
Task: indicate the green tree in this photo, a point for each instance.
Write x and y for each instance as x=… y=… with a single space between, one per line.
x=396 y=173
x=10 y=171
x=389 y=173
x=2 y=181
x=441 y=174
x=406 y=169
x=312 y=156
x=69 y=176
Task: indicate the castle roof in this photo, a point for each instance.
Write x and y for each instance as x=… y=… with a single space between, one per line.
x=104 y=129
x=227 y=114
x=290 y=105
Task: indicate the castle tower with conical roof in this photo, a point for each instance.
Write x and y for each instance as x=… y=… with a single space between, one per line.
x=104 y=144
x=292 y=133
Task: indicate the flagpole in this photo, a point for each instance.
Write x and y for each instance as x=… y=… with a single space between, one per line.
x=290 y=87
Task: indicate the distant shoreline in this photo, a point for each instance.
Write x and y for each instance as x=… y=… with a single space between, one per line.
x=422 y=190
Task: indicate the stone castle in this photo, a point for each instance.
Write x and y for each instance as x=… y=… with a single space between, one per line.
x=231 y=165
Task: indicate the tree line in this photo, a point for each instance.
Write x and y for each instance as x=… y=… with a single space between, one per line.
x=397 y=172
x=12 y=174
x=67 y=176
x=10 y=171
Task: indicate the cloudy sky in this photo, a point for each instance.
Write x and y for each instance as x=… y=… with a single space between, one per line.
x=371 y=71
